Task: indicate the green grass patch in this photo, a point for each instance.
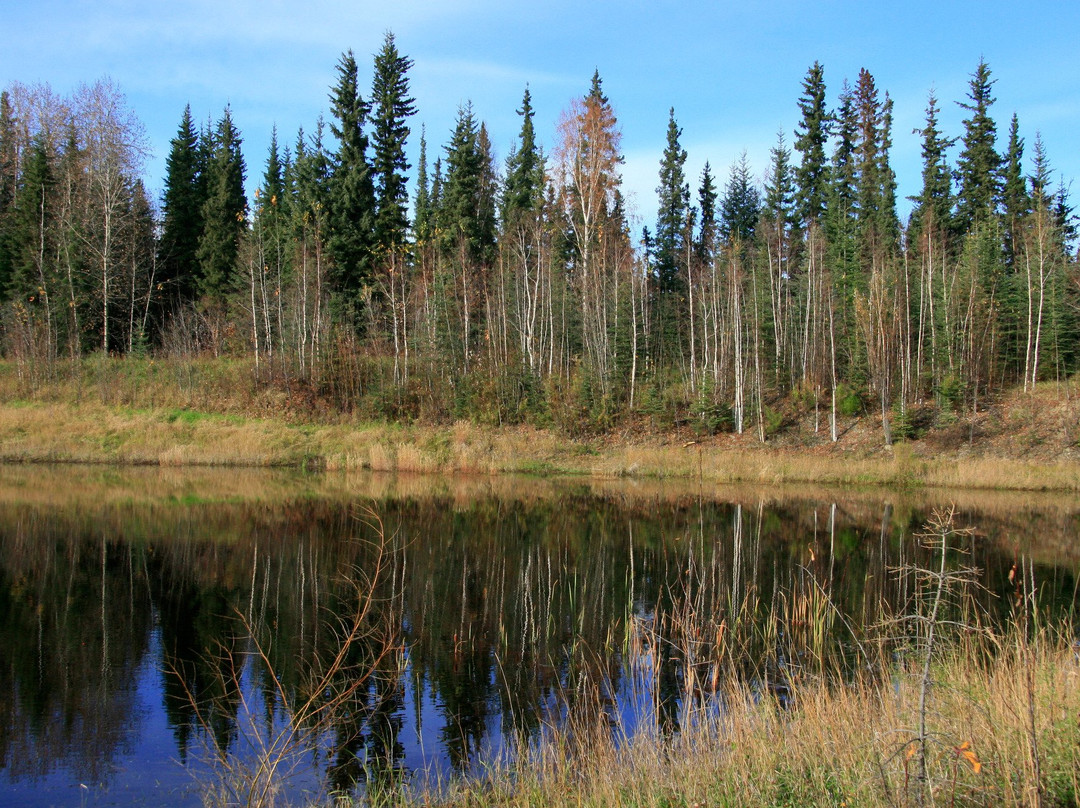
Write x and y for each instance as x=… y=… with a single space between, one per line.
x=193 y=499
x=541 y=468
x=187 y=417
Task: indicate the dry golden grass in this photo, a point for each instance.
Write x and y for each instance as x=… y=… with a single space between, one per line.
x=90 y=432
x=846 y=745
x=208 y=412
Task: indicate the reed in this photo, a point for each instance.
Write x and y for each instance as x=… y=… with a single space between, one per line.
x=837 y=746
x=935 y=707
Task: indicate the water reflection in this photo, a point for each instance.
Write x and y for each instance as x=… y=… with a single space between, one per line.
x=180 y=625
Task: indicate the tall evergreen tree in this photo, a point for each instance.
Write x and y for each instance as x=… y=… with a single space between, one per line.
x=463 y=208
x=1041 y=179
x=596 y=90
x=393 y=107
x=1015 y=203
x=673 y=194
x=707 y=197
x=843 y=184
x=272 y=211
x=32 y=227
x=741 y=206
x=524 y=185
x=876 y=183
x=141 y=248
x=352 y=190
x=978 y=163
x=890 y=220
x=488 y=196
x=812 y=133
x=1041 y=176
x=310 y=185
x=779 y=199
x=223 y=212
x=436 y=193
x=776 y=238
x=867 y=157
x=841 y=221
x=424 y=224
x=1066 y=220
x=178 y=248
x=8 y=185
x=273 y=184
x=933 y=205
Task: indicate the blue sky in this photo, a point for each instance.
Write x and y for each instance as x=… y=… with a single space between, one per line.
x=732 y=72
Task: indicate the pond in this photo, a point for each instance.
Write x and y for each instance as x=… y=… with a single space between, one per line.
x=160 y=629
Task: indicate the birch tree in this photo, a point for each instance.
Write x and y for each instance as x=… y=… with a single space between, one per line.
x=587 y=164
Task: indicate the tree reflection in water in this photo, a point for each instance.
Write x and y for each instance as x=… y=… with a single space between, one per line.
x=497 y=617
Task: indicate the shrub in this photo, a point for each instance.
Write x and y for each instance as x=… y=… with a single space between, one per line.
x=849 y=401
x=902 y=426
x=951 y=393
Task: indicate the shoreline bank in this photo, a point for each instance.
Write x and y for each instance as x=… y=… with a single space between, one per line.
x=90 y=432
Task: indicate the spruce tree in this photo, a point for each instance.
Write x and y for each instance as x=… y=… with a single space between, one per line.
x=8 y=185
x=309 y=186
x=841 y=219
x=351 y=188
x=1041 y=175
x=878 y=228
x=741 y=206
x=273 y=184
x=978 y=163
x=1066 y=221
x=141 y=247
x=524 y=186
x=776 y=240
x=1015 y=209
x=393 y=107
x=673 y=194
x=487 y=198
x=812 y=133
x=272 y=214
x=424 y=224
x=224 y=213
x=705 y=245
x=889 y=220
x=466 y=209
x=933 y=206
x=1041 y=179
x=596 y=90
x=843 y=184
x=779 y=199
x=178 y=248
x=32 y=225
x=868 y=163
x=1015 y=203
x=436 y=193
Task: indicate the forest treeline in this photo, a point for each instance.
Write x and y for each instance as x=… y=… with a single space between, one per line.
x=517 y=292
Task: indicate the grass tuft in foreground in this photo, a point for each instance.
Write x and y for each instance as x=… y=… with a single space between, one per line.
x=851 y=745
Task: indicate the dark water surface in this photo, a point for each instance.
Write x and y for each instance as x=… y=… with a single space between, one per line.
x=134 y=604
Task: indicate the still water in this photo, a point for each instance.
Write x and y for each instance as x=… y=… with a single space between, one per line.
x=153 y=622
